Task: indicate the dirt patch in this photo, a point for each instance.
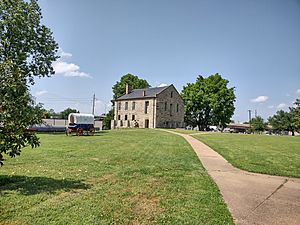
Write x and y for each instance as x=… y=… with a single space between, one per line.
x=144 y=208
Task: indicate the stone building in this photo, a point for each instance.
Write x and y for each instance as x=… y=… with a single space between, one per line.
x=159 y=107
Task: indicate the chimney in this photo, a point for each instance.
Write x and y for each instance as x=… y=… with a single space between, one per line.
x=144 y=93
x=128 y=89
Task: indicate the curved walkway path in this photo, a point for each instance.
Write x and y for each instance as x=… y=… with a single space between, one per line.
x=252 y=198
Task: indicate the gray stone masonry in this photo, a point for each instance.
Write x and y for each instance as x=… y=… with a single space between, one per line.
x=165 y=110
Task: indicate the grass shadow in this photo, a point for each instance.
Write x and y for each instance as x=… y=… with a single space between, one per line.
x=96 y=134
x=25 y=185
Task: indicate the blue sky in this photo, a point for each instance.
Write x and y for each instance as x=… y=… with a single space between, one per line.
x=254 y=44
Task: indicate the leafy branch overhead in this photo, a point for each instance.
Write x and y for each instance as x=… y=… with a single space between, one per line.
x=27 y=50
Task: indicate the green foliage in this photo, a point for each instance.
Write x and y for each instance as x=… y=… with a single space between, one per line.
x=133 y=81
x=282 y=121
x=65 y=113
x=295 y=114
x=258 y=124
x=107 y=120
x=27 y=50
x=208 y=101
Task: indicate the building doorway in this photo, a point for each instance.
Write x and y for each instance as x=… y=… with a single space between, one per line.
x=146 y=123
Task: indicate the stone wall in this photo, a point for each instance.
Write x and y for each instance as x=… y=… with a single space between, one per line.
x=167 y=115
x=164 y=111
x=140 y=117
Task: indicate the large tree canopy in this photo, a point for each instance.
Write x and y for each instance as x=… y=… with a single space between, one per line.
x=27 y=50
x=133 y=81
x=208 y=101
x=287 y=121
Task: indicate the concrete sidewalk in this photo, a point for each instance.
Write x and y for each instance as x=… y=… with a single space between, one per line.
x=251 y=198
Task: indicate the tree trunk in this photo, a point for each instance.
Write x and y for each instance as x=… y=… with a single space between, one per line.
x=293 y=133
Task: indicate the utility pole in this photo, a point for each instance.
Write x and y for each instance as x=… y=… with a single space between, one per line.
x=255 y=113
x=94 y=99
x=249 y=111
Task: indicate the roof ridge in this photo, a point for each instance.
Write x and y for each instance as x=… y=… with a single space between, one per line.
x=151 y=87
x=151 y=92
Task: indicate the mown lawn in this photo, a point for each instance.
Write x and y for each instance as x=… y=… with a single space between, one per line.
x=116 y=177
x=182 y=131
x=275 y=155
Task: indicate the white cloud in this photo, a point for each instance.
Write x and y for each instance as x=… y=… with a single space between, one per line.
x=63 y=55
x=281 y=105
x=64 y=67
x=298 y=92
x=271 y=106
x=162 y=85
x=78 y=74
x=39 y=93
x=61 y=66
x=260 y=99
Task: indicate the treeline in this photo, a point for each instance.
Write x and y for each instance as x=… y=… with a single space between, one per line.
x=282 y=121
x=47 y=114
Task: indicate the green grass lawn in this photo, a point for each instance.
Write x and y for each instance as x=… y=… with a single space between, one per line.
x=182 y=131
x=117 y=177
x=276 y=155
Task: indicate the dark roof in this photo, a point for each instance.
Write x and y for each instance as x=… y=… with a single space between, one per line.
x=138 y=93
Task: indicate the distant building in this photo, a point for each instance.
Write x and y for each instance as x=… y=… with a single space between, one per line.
x=159 y=107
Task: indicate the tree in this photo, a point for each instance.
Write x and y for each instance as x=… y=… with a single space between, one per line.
x=133 y=81
x=208 y=101
x=65 y=113
x=107 y=120
x=282 y=121
x=258 y=124
x=27 y=50
x=49 y=114
x=295 y=114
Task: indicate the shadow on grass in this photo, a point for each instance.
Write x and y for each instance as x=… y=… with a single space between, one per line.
x=97 y=133
x=34 y=185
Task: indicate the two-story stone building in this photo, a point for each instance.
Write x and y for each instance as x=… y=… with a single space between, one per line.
x=159 y=107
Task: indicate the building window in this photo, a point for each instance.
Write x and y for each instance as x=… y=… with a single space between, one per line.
x=125 y=117
x=119 y=106
x=177 y=108
x=166 y=106
x=146 y=107
x=126 y=105
x=133 y=117
x=133 y=105
x=171 y=94
x=119 y=117
x=171 y=109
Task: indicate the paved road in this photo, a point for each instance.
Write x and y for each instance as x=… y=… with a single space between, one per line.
x=251 y=198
